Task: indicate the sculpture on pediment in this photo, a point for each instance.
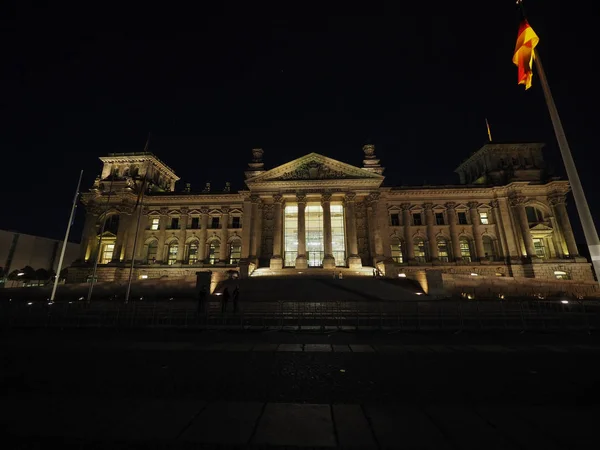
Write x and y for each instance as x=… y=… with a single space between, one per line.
x=313 y=170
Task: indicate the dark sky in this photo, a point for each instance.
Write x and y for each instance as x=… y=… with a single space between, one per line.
x=417 y=82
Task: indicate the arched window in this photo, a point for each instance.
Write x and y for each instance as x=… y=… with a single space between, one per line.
x=489 y=249
x=396 y=250
x=111 y=224
x=172 y=253
x=152 y=252
x=465 y=249
x=443 y=250
x=235 y=252
x=192 y=252
x=421 y=254
x=214 y=251
x=534 y=215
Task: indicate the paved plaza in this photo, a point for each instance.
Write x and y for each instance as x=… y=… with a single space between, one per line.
x=167 y=389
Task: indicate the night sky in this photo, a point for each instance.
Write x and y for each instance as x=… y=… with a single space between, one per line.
x=416 y=82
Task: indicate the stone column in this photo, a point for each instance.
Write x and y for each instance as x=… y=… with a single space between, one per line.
x=354 y=261
x=130 y=251
x=560 y=208
x=518 y=204
x=254 y=227
x=301 y=261
x=476 y=223
x=122 y=235
x=328 y=260
x=246 y=227
x=181 y=249
x=224 y=256
x=429 y=221
x=258 y=229
x=498 y=221
x=408 y=241
x=452 y=222
x=161 y=254
x=509 y=228
x=276 y=259
x=203 y=234
x=558 y=240
x=88 y=237
x=374 y=230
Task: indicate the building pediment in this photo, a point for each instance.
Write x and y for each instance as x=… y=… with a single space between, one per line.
x=314 y=169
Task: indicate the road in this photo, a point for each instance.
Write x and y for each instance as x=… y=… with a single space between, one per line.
x=507 y=389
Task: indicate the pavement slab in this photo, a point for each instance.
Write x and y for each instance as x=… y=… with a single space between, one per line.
x=404 y=426
x=229 y=423
x=299 y=425
x=352 y=427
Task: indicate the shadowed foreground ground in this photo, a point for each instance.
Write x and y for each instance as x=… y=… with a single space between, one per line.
x=138 y=389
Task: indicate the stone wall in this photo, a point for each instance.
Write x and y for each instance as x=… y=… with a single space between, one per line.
x=445 y=284
x=159 y=277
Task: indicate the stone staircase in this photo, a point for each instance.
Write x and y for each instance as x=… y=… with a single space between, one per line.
x=313 y=272
x=318 y=285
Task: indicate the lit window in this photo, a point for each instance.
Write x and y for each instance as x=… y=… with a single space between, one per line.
x=396 y=250
x=483 y=217
x=417 y=219
x=290 y=234
x=315 y=243
x=154 y=224
x=214 y=252
x=561 y=275
x=443 y=252
x=235 y=252
x=193 y=253
x=539 y=247
x=395 y=220
x=439 y=218
x=420 y=250
x=172 y=255
x=462 y=218
x=236 y=222
x=338 y=238
x=107 y=253
x=465 y=249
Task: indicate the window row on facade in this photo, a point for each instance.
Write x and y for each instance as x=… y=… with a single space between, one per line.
x=174 y=223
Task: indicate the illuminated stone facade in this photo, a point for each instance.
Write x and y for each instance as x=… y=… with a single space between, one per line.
x=505 y=218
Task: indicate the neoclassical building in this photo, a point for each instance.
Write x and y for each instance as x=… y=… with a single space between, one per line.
x=506 y=217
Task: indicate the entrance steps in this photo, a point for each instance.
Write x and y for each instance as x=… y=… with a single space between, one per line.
x=313 y=272
x=318 y=285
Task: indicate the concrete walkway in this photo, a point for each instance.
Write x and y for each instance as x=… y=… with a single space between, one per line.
x=97 y=423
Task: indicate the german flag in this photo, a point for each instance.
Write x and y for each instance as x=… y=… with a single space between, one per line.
x=524 y=54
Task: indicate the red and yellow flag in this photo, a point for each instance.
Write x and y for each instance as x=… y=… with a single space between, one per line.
x=523 y=57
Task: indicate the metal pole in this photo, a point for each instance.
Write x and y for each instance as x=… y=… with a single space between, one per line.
x=64 y=246
x=137 y=229
x=585 y=216
x=89 y=297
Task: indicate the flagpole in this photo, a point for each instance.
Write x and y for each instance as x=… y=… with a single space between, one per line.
x=583 y=209
x=137 y=230
x=95 y=271
x=64 y=246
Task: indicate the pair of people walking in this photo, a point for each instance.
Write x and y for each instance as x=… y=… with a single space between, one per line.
x=225 y=299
